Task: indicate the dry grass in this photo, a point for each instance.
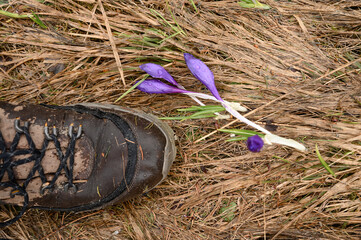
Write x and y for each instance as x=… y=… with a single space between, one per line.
x=297 y=64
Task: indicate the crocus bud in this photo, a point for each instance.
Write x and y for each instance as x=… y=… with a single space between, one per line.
x=200 y=70
x=255 y=143
x=157 y=71
x=157 y=86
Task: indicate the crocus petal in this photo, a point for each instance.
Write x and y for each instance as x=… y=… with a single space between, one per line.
x=157 y=71
x=200 y=70
x=255 y=143
x=157 y=86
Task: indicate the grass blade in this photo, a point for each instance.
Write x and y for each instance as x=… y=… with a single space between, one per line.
x=194 y=5
x=37 y=20
x=33 y=17
x=214 y=108
x=253 y=4
x=132 y=88
x=173 y=118
x=14 y=15
x=241 y=132
x=182 y=118
x=236 y=139
x=323 y=162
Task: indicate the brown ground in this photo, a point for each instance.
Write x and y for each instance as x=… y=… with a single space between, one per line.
x=297 y=64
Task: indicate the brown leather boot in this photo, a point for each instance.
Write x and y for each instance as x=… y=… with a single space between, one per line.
x=81 y=157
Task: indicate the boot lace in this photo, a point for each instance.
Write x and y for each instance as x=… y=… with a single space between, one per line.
x=8 y=162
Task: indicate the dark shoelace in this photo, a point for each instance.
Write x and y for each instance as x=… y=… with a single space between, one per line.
x=36 y=155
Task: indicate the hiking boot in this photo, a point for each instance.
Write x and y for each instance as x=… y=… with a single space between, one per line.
x=80 y=157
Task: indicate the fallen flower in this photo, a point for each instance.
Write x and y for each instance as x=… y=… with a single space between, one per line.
x=205 y=75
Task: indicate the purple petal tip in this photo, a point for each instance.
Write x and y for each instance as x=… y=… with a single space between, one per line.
x=188 y=56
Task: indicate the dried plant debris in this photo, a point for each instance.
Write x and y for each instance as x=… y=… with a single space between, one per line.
x=295 y=67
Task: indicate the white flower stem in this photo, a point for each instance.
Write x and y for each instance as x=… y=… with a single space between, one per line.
x=245 y=120
x=209 y=97
x=198 y=101
x=269 y=138
x=193 y=97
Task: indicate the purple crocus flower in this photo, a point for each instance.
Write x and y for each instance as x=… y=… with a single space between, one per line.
x=255 y=143
x=157 y=71
x=200 y=70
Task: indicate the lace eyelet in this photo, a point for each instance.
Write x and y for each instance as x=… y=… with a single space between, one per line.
x=46 y=188
x=70 y=187
x=79 y=132
x=46 y=132
x=17 y=126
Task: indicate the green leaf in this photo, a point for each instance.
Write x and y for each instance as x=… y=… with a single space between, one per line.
x=37 y=20
x=241 y=132
x=194 y=6
x=13 y=15
x=235 y=139
x=200 y=112
x=229 y=212
x=214 y=108
x=132 y=88
x=173 y=118
x=283 y=159
x=323 y=162
x=200 y=115
x=33 y=17
x=193 y=116
x=253 y=4
x=204 y=112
